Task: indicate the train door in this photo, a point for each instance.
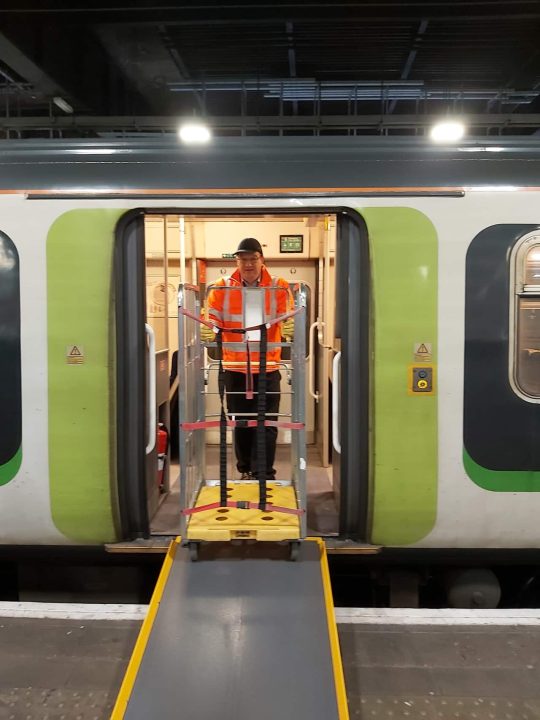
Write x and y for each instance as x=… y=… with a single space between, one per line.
x=328 y=253
x=350 y=395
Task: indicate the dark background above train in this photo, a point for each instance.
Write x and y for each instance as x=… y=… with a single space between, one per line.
x=79 y=69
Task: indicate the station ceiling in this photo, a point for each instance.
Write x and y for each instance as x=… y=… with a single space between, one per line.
x=80 y=69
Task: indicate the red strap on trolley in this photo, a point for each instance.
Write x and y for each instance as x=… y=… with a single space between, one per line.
x=215 y=325
x=242 y=505
x=249 y=373
x=201 y=424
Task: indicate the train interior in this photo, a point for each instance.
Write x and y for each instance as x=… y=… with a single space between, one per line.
x=198 y=250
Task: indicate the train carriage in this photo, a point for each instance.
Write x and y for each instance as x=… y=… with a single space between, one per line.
x=423 y=388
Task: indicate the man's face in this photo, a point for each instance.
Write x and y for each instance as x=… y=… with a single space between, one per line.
x=250 y=265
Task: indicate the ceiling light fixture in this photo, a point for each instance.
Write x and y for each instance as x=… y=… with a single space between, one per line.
x=447 y=131
x=194 y=133
x=62 y=104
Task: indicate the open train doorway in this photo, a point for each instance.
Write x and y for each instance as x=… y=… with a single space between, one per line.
x=301 y=248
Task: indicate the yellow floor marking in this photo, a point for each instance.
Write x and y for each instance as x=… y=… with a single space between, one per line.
x=339 y=679
x=128 y=683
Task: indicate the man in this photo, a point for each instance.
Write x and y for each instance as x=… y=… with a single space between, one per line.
x=229 y=309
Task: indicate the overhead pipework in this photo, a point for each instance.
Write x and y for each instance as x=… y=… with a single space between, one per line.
x=311 y=90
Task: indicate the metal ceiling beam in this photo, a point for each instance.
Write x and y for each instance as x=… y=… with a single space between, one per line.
x=181 y=66
x=289 y=27
x=269 y=13
x=27 y=69
x=411 y=57
x=261 y=123
x=311 y=90
x=140 y=56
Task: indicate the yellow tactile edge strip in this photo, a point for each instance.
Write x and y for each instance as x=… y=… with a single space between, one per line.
x=339 y=679
x=142 y=640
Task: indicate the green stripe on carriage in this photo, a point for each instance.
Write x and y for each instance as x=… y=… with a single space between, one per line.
x=501 y=480
x=82 y=400
x=11 y=468
x=404 y=261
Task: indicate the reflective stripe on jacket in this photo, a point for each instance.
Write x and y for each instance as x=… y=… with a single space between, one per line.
x=225 y=309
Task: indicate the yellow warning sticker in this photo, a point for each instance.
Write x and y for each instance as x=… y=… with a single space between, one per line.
x=423 y=352
x=74 y=355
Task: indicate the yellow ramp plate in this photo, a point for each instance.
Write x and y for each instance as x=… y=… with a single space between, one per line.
x=223 y=524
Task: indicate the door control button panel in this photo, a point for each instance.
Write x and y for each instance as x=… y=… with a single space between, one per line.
x=421 y=379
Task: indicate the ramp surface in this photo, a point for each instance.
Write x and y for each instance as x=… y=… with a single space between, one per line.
x=238 y=639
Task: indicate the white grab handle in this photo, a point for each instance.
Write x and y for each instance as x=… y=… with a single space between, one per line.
x=336 y=368
x=152 y=429
x=311 y=362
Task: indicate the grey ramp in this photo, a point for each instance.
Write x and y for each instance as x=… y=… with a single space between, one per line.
x=237 y=640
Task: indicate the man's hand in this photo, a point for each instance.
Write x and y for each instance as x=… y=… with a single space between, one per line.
x=207 y=334
x=287 y=329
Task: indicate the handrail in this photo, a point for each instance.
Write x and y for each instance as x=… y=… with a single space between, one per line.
x=336 y=439
x=151 y=390
x=311 y=362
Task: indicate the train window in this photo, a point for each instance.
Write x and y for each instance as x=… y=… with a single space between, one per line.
x=525 y=318
x=532 y=269
x=10 y=360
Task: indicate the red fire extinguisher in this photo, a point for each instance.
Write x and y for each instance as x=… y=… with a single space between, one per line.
x=162 y=446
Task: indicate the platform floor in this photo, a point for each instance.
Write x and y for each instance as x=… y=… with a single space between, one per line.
x=62 y=669
x=72 y=669
x=441 y=673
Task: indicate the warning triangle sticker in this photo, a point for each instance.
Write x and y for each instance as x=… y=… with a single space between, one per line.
x=75 y=352
x=422 y=350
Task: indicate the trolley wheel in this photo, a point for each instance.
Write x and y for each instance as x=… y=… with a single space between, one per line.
x=193 y=549
x=294 y=550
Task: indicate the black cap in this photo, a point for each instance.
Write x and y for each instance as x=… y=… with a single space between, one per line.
x=249 y=245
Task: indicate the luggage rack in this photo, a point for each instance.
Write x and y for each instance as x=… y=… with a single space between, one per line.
x=222 y=509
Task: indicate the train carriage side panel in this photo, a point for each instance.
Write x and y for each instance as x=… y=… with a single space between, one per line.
x=404 y=256
x=81 y=369
x=25 y=510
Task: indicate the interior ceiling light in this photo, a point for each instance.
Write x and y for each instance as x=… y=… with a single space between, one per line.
x=447 y=131
x=194 y=133
x=62 y=104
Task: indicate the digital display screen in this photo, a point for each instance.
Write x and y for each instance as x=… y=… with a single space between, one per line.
x=291 y=243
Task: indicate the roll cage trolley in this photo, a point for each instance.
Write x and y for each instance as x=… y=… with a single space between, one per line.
x=222 y=509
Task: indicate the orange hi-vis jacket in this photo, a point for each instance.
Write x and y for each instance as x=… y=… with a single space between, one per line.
x=225 y=308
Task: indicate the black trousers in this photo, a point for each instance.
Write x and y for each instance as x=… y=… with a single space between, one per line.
x=245 y=439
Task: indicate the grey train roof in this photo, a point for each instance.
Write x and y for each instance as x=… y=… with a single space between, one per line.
x=337 y=163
